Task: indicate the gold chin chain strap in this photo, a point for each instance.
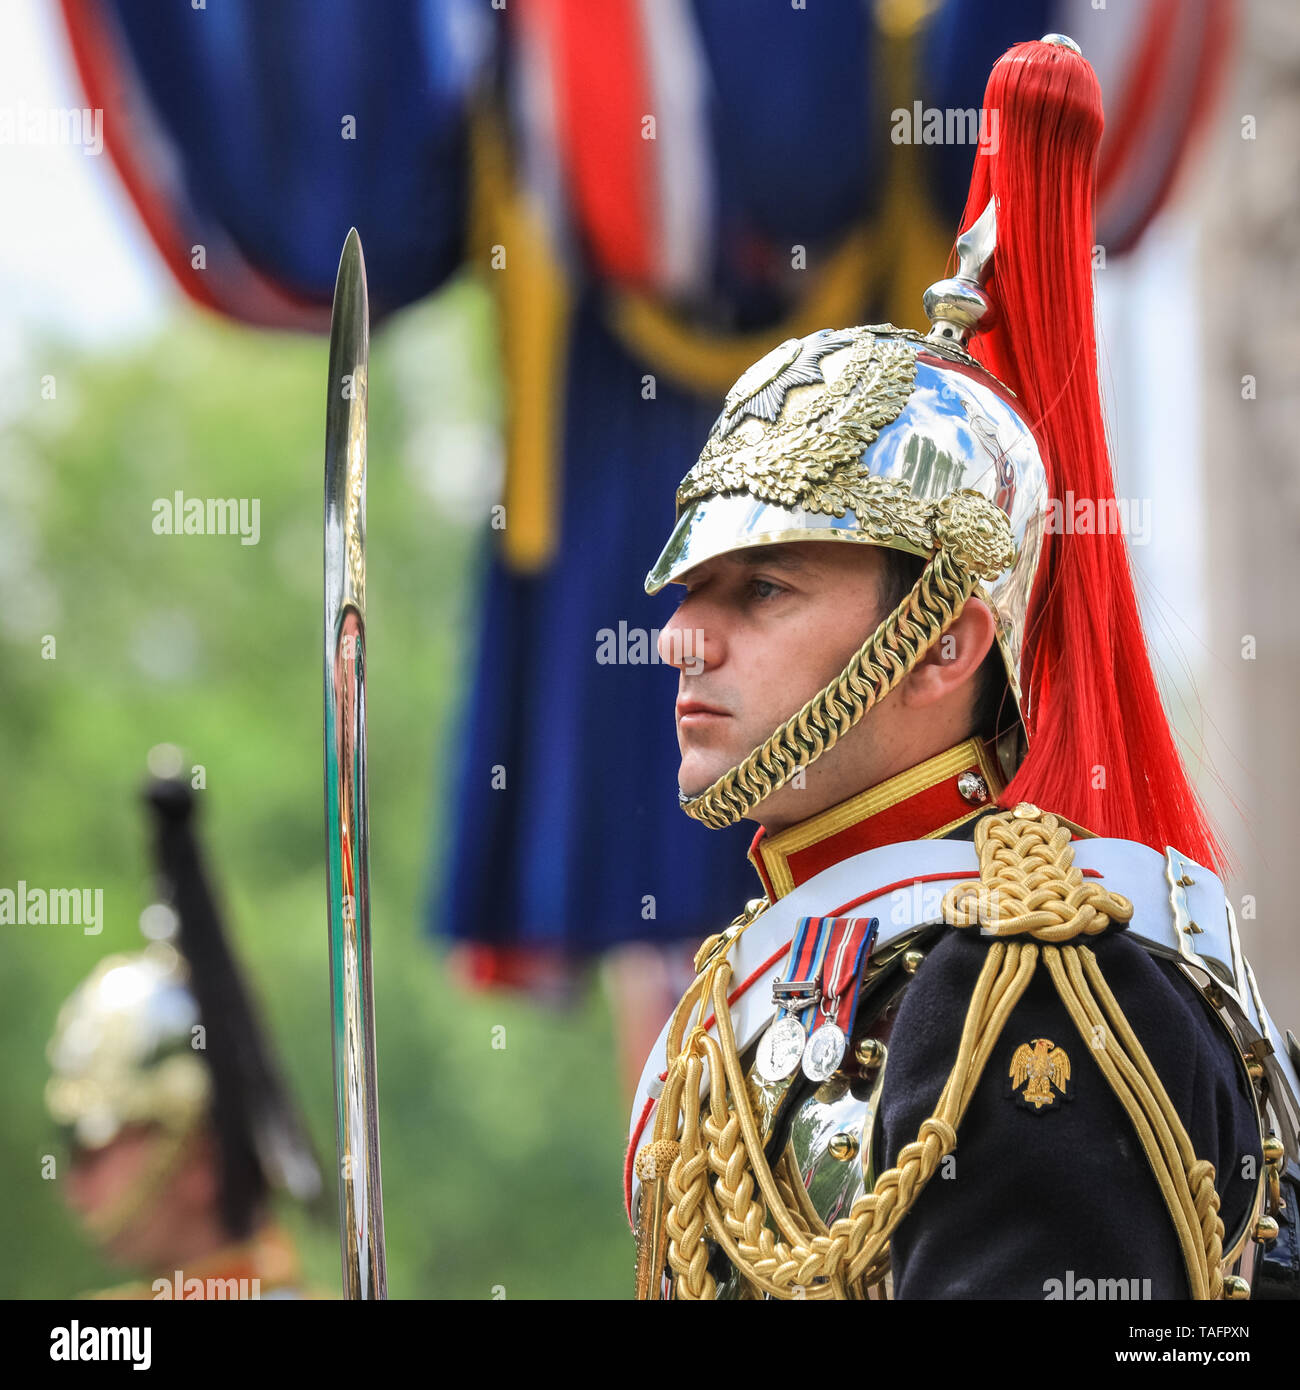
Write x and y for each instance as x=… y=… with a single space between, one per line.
x=973 y=540
x=1029 y=894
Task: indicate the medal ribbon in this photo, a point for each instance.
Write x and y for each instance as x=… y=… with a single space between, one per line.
x=848 y=946
x=807 y=959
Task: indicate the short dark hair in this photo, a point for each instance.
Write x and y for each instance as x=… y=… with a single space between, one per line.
x=993 y=705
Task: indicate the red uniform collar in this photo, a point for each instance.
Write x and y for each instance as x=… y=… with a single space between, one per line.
x=922 y=803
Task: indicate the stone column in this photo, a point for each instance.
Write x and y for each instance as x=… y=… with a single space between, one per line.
x=1248 y=191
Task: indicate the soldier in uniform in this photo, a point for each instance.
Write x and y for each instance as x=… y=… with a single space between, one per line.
x=988 y=1031
x=179 y=1126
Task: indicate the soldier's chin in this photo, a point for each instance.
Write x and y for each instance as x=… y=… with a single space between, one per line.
x=697 y=775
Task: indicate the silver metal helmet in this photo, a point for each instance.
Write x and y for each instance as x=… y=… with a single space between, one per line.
x=875 y=436
x=123 y=1050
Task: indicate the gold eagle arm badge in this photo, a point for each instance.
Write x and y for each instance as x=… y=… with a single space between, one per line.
x=1043 y=1066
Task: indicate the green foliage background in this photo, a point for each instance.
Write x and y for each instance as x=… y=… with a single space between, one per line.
x=502 y=1167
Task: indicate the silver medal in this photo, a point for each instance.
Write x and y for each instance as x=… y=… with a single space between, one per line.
x=779 y=1050
x=824 y=1052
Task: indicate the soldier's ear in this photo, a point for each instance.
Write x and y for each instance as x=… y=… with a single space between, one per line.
x=955 y=658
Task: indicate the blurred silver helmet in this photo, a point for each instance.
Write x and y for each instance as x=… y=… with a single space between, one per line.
x=123 y=1053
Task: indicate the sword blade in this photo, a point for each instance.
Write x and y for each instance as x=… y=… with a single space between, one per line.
x=347 y=829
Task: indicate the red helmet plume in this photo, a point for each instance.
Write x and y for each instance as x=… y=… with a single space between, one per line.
x=1101 y=750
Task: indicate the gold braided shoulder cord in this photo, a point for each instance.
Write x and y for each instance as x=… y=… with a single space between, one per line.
x=720 y=1183
x=973 y=542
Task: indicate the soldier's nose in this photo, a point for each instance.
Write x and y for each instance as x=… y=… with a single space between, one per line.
x=685 y=646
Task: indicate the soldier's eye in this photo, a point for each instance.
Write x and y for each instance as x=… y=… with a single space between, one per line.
x=764 y=589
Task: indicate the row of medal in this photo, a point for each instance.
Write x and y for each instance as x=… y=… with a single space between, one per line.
x=825 y=966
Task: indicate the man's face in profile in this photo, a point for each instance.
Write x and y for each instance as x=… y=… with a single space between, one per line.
x=139 y=1222
x=764 y=630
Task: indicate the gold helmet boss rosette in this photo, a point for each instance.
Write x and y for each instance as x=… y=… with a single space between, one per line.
x=871 y=436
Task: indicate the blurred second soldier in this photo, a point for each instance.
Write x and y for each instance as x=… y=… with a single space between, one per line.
x=179 y=1125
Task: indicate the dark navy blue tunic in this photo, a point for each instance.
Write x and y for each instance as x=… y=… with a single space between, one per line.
x=1064 y=1193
